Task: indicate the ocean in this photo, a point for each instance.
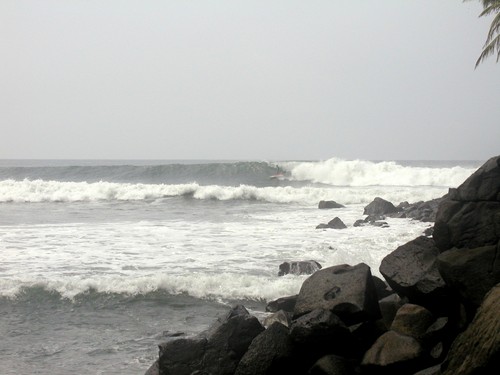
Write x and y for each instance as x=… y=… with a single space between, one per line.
x=102 y=260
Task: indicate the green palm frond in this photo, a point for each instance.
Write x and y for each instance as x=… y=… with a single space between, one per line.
x=492 y=43
x=490 y=49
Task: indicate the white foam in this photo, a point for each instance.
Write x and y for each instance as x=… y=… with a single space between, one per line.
x=235 y=259
x=56 y=191
x=365 y=173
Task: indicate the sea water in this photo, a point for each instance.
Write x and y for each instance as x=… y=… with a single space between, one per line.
x=100 y=261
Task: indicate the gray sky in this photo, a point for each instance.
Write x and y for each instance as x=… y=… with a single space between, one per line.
x=385 y=79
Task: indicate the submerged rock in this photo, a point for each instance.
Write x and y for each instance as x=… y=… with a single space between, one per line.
x=303 y=267
x=380 y=206
x=329 y=204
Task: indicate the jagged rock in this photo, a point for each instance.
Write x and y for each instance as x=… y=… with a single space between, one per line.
x=182 y=356
x=359 y=223
x=428 y=232
x=153 y=370
x=284 y=303
x=423 y=211
x=332 y=365
x=335 y=223
x=434 y=370
x=482 y=185
x=216 y=351
x=412 y=320
x=365 y=334
x=467 y=224
x=329 y=204
x=348 y=291
x=393 y=352
x=318 y=333
x=269 y=353
x=318 y=325
x=477 y=349
x=471 y=272
x=303 y=267
x=381 y=224
x=280 y=316
x=388 y=307
x=374 y=220
x=374 y=217
x=411 y=270
x=470 y=215
x=322 y=226
x=383 y=290
x=379 y=206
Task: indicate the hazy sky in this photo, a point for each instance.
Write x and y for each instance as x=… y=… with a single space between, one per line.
x=273 y=80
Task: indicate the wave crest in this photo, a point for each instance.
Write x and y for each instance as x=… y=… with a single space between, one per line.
x=339 y=172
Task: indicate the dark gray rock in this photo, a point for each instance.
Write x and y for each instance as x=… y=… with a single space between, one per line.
x=280 y=316
x=332 y=365
x=153 y=370
x=467 y=224
x=434 y=370
x=471 y=272
x=284 y=303
x=329 y=204
x=383 y=290
x=303 y=267
x=318 y=333
x=359 y=223
x=482 y=185
x=393 y=352
x=388 y=308
x=412 y=320
x=469 y=217
x=411 y=270
x=374 y=217
x=269 y=353
x=216 y=351
x=477 y=349
x=322 y=226
x=335 y=223
x=347 y=291
x=182 y=356
x=380 y=206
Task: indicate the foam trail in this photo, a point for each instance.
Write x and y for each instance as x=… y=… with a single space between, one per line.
x=55 y=191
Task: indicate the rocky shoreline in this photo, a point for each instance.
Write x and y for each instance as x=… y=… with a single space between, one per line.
x=437 y=312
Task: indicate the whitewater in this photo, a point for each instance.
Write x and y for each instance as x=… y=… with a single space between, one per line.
x=101 y=260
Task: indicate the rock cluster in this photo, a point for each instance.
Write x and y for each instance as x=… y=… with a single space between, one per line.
x=437 y=314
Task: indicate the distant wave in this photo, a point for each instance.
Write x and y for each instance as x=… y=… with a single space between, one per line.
x=36 y=191
x=365 y=173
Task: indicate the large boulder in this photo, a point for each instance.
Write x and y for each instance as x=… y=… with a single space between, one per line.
x=380 y=206
x=411 y=270
x=393 y=353
x=470 y=215
x=319 y=333
x=303 y=267
x=347 y=291
x=269 y=353
x=471 y=272
x=412 y=320
x=216 y=351
x=477 y=349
